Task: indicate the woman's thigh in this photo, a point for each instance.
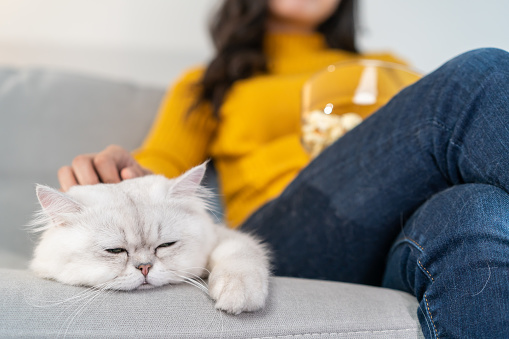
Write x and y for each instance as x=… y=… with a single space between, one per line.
x=338 y=219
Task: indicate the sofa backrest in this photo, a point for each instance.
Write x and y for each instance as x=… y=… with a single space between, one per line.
x=46 y=119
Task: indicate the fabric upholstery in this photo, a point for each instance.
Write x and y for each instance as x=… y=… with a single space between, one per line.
x=296 y=308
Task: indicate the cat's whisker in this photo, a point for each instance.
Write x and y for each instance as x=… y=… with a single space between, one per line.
x=201 y=282
x=190 y=268
x=79 y=296
x=219 y=216
x=77 y=304
x=222 y=322
x=103 y=290
x=196 y=284
x=196 y=276
x=192 y=275
x=94 y=290
x=193 y=282
x=78 y=311
x=80 y=301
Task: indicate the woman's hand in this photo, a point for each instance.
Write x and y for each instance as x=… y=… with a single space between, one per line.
x=111 y=165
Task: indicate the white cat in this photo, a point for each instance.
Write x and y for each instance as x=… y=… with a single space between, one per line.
x=147 y=232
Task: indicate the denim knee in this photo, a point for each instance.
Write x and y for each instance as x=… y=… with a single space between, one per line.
x=468 y=218
x=494 y=56
x=470 y=203
x=479 y=64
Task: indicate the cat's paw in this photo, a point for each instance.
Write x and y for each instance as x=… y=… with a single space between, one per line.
x=238 y=291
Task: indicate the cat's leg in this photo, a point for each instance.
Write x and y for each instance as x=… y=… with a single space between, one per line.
x=453 y=255
x=338 y=219
x=239 y=272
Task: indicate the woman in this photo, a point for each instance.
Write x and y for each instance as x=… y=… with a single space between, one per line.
x=415 y=198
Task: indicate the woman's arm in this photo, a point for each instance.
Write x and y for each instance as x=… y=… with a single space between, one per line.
x=179 y=140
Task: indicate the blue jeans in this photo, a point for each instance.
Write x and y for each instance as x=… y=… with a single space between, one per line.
x=415 y=198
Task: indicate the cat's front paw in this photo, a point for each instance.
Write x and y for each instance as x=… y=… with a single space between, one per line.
x=238 y=291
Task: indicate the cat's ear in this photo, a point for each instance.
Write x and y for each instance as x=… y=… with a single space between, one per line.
x=190 y=181
x=56 y=205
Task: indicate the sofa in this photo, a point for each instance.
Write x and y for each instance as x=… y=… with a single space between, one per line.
x=46 y=118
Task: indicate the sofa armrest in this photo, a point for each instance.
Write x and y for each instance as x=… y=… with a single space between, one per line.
x=33 y=307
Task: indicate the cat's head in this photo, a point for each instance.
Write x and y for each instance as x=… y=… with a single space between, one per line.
x=140 y=233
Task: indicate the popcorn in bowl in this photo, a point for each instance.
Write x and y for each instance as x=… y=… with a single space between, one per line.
x=319 y=129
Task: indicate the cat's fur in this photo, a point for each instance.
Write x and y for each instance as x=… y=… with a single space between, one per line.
x=138 y=215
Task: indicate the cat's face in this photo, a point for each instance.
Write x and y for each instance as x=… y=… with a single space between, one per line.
x=141 y=233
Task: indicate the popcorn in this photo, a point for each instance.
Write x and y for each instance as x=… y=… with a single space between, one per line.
x=319 y=130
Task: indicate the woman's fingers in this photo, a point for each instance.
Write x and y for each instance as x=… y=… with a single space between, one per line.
x=66 y=178
x=112 y=165
x=134 y=171
x=84 y=171
x=106 y=168
x=129 y=173
x=115 y=164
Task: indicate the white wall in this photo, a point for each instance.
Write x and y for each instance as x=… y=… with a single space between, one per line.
x=429 y=32
x=151 y=41
x=148 y=41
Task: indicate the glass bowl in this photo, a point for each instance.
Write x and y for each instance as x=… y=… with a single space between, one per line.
x=340 y=97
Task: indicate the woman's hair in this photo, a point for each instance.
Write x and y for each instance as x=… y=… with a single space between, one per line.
x=238 y=31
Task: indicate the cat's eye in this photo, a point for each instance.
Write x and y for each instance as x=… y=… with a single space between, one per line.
x=115 y=250
x=166 y=244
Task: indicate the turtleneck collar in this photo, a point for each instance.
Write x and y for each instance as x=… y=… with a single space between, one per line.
x=282 y=44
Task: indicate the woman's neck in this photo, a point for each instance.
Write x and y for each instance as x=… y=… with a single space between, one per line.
x=277 y=25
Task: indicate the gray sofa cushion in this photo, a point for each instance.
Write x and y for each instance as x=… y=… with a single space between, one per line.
x=296 y=308
x=46 y=119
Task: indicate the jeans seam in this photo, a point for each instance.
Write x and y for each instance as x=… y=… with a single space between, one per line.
x=408 y=241
x=415 y=242
x=425 y=270
x=421 y=266
x=418 y=260
x=431 y=317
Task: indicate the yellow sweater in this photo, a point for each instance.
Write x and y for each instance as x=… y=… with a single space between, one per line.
x=256 y=144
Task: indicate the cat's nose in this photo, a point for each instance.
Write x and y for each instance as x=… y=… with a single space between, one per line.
x=144 y=268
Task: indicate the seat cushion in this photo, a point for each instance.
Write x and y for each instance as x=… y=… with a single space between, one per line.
x=296 y=308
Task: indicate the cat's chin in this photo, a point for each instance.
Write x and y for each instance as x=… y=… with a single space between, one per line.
x=145 y=286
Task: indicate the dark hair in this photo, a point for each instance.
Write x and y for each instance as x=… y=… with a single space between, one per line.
x=238 y=31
